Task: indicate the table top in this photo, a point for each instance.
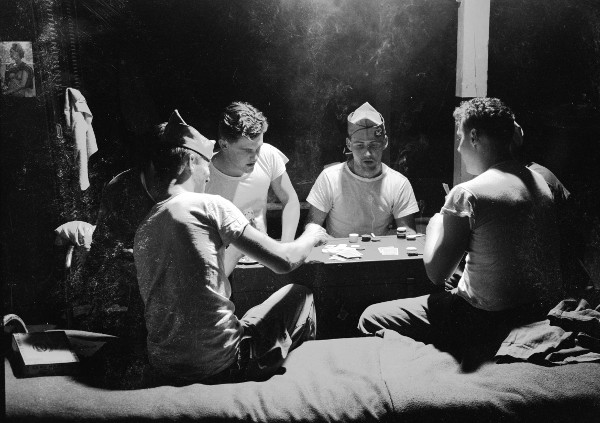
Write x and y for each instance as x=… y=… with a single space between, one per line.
x=369 y=250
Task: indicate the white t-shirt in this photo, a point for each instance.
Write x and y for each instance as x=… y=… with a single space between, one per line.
x=249 y=192
x=361 y=205
x=178 y=249
x=513 y=252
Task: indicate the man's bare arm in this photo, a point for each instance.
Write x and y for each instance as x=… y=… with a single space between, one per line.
x=408 y=222
x=447 y=240
x=316 y=216
x=290 y=213
x=280 y=257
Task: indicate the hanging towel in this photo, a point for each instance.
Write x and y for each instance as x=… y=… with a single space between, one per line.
x=79 y=120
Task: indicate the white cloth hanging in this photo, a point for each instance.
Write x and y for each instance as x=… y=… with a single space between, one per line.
x=79 y=120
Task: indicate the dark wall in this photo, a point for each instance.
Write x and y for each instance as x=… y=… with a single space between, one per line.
x=306 y=64
x=544 y=60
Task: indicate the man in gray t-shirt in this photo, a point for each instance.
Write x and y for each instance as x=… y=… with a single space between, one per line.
x=193 y=333
x=504 y=219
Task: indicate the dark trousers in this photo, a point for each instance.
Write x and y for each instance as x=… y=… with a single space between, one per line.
x=447 y=321
x=271 y=330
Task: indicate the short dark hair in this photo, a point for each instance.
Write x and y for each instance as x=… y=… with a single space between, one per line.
x=168 y=161
x=241 y=119
x=19 y=49
x=488 y=115
x=145 y=144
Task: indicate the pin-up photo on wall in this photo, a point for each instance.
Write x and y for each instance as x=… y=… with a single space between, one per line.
x=16 y=69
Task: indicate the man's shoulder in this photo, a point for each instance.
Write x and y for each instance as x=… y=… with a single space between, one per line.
x=393 y=174
x=205 y=201
x=331 y=173
x=190 y=197
x=334 y=169
x=267 y=149
x=269 y=153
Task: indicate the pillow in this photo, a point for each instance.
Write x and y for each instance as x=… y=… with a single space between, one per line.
x=76 y=232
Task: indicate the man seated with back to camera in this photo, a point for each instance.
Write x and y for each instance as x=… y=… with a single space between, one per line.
x=505 y=220
x=363 y=195
x=193 y=333
x=571 y=222
x=575 y=277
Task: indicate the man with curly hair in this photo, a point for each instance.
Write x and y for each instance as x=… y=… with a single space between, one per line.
x=505 y=220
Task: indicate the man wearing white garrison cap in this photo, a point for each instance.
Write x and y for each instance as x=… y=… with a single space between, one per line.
x=363 y=195
x=193 y=333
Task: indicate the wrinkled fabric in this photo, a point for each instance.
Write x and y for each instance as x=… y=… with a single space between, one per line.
x=571 y=334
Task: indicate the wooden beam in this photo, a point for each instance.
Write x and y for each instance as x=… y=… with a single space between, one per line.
x=471 y=61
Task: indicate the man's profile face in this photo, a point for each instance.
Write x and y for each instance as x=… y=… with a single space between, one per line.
x=243 y=153
x=367 y=154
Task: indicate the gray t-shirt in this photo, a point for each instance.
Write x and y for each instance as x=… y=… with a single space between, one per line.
x=513 y=253
x=178 y=250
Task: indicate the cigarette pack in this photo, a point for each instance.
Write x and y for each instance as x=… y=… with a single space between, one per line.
x=43 y=354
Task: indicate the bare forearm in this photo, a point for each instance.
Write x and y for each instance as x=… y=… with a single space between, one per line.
x=408 y=222
x=277 y=256
x=290 y=216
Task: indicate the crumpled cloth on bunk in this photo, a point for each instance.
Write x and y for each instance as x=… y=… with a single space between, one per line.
x=570 y=334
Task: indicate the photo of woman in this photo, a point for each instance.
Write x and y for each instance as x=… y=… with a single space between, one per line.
x=17 y=75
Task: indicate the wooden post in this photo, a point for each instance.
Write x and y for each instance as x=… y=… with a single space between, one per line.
x=471 y=61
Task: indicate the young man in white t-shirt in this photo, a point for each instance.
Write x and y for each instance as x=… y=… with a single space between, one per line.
x=505 y=220
x=363 y=195
x=193 y=332
x=245 y=167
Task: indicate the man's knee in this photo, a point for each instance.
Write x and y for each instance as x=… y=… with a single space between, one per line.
x=299 y=290
x=369 y=321
x=299 y=293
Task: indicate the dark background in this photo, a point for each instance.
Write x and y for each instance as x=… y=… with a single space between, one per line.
x=306 y=64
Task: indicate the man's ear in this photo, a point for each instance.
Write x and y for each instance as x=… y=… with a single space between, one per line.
x=474 y=135
x=348 y=143
x=191 y=163
x=223 y=144
x=386 y=142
